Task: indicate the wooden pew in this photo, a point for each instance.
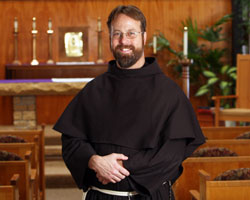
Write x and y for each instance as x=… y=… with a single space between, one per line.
x=239 y=146
x=27 y=176
x=189 y=180
x=217 y=190
x=21 y=150
x=10 y=191
x=218 y=133
x=36 y=136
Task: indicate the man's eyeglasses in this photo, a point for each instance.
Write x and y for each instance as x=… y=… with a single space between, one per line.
x=129 y=34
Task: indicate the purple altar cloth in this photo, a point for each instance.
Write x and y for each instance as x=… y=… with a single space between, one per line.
x=25 y=80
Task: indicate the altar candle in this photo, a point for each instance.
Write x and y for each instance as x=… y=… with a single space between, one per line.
x=50 y=24
x=34 y=23
x=99 y=24
x=15 y=25
x=154 y=44
x=185 y=42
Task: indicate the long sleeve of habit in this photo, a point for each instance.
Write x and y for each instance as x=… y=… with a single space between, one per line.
x=76 y=150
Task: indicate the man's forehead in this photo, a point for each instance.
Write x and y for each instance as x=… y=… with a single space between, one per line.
x=125 y=21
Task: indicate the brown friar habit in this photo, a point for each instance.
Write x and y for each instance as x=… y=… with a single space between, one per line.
x=140 y=113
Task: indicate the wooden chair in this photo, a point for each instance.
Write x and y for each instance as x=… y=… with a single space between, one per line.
x=36 y=136
x=10 y=191
x=218 y=133
x=214 y=165
x=242 y=110
x=217 y=190
x=27 y=181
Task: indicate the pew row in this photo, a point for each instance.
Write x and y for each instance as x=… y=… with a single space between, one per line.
x=241 y=147
x=27 y=181
x=35 y=136
x=217 y=133
x=21 y=150
x=216 y=190
x=10 y=191
x=189 y=180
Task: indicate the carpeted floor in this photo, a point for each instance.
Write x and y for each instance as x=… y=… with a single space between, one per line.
x=63 y=194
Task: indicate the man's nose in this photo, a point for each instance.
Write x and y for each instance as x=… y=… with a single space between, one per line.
x=124 y=39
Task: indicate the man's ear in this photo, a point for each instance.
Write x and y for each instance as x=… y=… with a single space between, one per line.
x=145 y=37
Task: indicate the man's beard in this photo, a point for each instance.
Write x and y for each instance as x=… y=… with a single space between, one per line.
x=127 y=60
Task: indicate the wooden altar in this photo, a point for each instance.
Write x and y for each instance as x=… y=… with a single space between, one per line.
x=57 y=70
x=25 y=93
x=50 y=98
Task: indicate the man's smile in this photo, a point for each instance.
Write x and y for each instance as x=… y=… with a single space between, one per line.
x=125 y=50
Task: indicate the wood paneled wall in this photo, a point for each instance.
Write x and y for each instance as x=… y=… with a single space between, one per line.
x=162 y=15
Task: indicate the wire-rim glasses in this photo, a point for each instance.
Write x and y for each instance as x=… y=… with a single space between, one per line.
x=129 y=34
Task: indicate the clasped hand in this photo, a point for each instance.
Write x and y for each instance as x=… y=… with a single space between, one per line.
x=109 y=168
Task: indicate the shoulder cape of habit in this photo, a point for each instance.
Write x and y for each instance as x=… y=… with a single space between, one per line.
x=131 y=108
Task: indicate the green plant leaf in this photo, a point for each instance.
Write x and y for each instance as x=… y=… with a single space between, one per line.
x=223 y=20
x=232 y=69
x=212 y=33
x=212 y=81
x=204 y=87
x=209 y=74
x=224 y=69
x=163 y=43
x=201 y=92
x=233 y=76
x=223 y=84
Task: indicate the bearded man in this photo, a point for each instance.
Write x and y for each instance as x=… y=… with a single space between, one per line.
x=127 y=132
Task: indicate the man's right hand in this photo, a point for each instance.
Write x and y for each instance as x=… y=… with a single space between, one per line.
x=109 y=168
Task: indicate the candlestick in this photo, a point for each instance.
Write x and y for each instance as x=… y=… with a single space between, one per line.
x=185 y=62
x=50 y=24
x=154 y=44
x=15 y=25
x=34 y=23
x=99 y=33
x=34 y=33
x=50 y=32
x=99 y=24
x=185 y=42
x=16 y=61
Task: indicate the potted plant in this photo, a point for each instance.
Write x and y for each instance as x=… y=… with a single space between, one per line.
x=207 y=69
x=209 y=72
x=224 y=81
